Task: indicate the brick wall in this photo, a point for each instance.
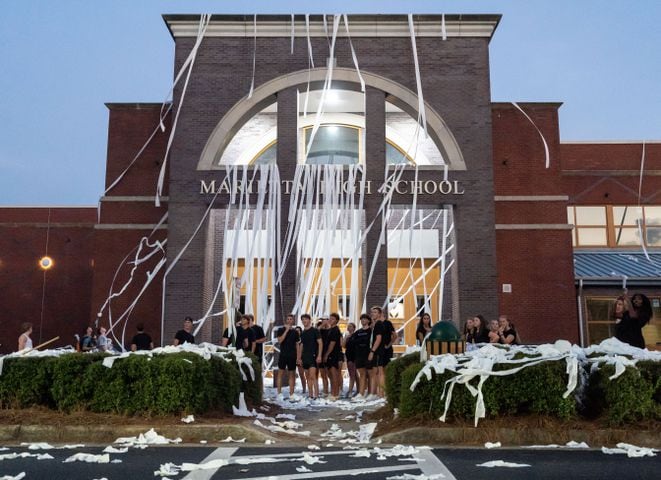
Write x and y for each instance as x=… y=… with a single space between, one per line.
x=23 y=233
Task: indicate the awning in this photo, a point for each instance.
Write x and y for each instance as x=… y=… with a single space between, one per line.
x=609 y=267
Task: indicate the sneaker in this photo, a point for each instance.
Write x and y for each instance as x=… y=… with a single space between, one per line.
x=371 y=397
x=358 y=398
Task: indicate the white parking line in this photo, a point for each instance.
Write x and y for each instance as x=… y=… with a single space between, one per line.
x=432 y=465
x=220 y=453
x=338 y=473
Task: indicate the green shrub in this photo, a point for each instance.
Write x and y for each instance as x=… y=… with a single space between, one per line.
x=631 y=397
x=24 y=384
x=164 y=384
x=69 y=389
x=394 y=372
x=535 y=389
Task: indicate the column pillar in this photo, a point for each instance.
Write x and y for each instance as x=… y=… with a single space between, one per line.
x=284 y=294
x=375 y=161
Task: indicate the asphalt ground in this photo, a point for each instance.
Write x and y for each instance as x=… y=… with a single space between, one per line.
x=280 y=462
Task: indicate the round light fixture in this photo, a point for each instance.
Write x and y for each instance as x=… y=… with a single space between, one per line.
x=45 y=263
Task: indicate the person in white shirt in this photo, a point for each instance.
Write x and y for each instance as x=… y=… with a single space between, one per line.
x=24 y=340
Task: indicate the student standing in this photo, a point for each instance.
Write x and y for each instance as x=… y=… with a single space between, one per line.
x=185 y=335
x=24 y=340
x=288 y=340
x=309 y=354
x=141 y=341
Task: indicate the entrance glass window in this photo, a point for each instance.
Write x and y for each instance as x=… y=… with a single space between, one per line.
x=333 y=145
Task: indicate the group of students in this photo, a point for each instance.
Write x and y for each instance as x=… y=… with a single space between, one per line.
x=319 y=352
x=477 y=330
x=631 y=315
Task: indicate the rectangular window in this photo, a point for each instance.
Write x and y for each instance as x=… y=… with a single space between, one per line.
x=615 y=225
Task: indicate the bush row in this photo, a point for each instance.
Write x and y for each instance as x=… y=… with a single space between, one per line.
x=161 y=385
x=635 y=395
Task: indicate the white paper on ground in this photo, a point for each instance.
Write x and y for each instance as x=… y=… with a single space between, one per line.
x=88 y=458
x=631 y=451
x=231 y=440
x=362 y=453
x=422 y=476
x=492 y=445
x=111 y=449
x=311 y=459
x=188 y=419
x=37 y=446
x=501 y=463
x=314 y=447
x=573 y=444
x=14 y=455
x=20 y=476
x=148 y=438
x=303 y=469
x=286 y=416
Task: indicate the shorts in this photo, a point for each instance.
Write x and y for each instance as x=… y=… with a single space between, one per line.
x=333 y=361
x=375 y=362
x=361 y=362
x=309 y=363
x=384 y=358
x=288 y=363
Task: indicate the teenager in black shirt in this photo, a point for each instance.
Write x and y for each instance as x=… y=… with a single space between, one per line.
x=350 y=354
x=324 y=329
x=185 y=335
x=141 y=341
x=361 y=341
x=309 y=354
x=260 y=338
x=332 y=356
x=506 y=333
x=245 y=337
x=288 y=340
x=384 y=329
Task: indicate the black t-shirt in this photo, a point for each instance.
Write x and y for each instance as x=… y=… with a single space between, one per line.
x=361 y=342
x=629 y=330
x=288 y=345
x=142 y=341
x=377 y=330
x=482 y=336
x=259 y=334
x=388 y=329
x=309 y=342
x=228 y=336
x=244 y=339
x=350 y=349
x=183 y=336
x=324 y=338
x=508 y=332
x=334 y=335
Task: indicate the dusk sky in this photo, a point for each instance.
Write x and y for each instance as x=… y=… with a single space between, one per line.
x=62 y=60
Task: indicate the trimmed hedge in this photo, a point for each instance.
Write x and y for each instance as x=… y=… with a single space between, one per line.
x=394 y=372
x=634 y=396
x=162 y=384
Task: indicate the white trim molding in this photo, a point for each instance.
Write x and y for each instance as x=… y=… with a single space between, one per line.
x=531 y=198
x=482 y=26
x=534 y=226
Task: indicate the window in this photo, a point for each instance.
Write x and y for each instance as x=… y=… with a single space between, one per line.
x=615 y=225
x=344 y=305
x=333 y=145
x=601 y=321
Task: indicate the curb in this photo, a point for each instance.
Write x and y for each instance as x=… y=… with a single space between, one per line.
x=519 y=437
x=105 y=434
